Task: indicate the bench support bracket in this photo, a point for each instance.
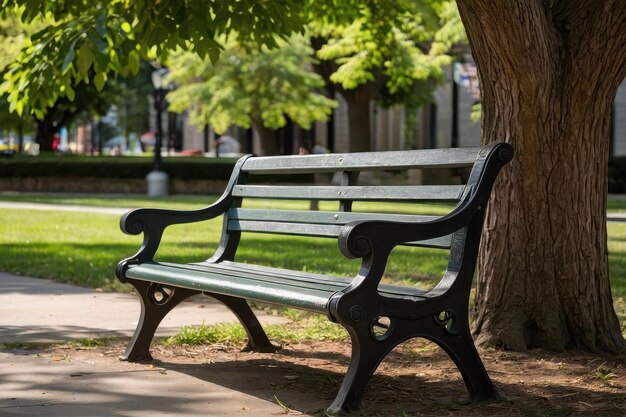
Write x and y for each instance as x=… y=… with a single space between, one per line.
x=257 y=339
x=156 y=301
x=449 y=329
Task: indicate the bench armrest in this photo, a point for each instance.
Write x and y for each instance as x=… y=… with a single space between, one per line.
x=152 y=222
x=374 y=240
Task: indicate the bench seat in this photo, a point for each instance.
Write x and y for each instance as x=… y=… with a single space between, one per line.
x=295 y=289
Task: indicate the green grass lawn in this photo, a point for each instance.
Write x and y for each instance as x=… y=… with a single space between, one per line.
x=83 y=248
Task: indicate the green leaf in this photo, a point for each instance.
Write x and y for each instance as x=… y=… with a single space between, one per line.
x=99 y=80
x=69 y=57
x=100 y=25
x=126 y=27
x=133 y=62
x=214 y=54
x=69 y=92
x=85 y=58
x=99 y=43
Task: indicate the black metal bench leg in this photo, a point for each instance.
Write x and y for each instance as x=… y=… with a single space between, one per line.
x=257 y=338
x=460 y=347
x=366 y=356
x=156 y=301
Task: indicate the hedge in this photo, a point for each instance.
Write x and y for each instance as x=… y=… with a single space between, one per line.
x=114 y=167
x=127 y=167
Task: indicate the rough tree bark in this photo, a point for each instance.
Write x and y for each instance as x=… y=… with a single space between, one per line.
x=549 y=71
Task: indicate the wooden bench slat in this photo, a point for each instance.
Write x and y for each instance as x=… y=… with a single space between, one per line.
x=285 y=287
x=385 y=289
x=318 y=230
x=215 y=281
x=426 y=193
x=296 y=279
x=321 y=217
x=300 y=164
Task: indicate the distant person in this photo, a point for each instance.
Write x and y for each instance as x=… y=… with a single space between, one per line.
x=56 y=140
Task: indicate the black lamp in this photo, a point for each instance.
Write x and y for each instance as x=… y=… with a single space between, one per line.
x=157 y=178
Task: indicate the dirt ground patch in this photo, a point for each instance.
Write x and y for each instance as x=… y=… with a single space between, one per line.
x=416 y=379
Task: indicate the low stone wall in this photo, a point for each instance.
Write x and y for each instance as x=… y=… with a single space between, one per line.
x=106 y=185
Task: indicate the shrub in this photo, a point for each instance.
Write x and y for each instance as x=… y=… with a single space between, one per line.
x=114 y=167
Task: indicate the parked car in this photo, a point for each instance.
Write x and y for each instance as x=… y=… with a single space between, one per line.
x=6 y=148
x=9 y=146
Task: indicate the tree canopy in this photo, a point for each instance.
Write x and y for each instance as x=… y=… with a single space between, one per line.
x=396 y=60
x=250 y=86
x=90 y=40
x=85 y=98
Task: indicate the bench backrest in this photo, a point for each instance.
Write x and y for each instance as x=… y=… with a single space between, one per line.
x=252 y=184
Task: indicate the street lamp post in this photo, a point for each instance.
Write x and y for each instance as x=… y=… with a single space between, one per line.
x=157 y=178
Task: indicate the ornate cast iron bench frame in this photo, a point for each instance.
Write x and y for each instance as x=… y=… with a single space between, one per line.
x=362 y=305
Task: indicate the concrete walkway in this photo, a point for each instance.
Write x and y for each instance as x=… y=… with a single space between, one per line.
x=62 y=207
x=88 y=383
x=39 y=310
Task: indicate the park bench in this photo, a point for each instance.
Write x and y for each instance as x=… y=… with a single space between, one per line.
x=377 y=316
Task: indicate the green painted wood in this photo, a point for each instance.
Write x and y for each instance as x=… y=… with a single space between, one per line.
x=320 y=217
x=430 y=158
x=210 y=280
x=317 y=230
x=385 y=289
x=265 y=284
x=425 y=193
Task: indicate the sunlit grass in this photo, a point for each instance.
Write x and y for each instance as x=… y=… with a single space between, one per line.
x=616 y=204
x=83 y=249
x=309 y=327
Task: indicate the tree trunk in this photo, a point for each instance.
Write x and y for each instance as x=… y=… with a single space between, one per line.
x=46 y=130
x=359 y=119
x=357 y=100
x=267 y=138
x=548 y=75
